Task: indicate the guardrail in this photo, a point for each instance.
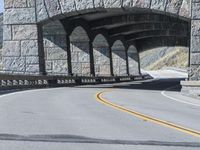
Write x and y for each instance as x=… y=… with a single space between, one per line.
x=29 y=81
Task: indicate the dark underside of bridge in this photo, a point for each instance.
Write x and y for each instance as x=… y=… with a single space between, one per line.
x=144 y=28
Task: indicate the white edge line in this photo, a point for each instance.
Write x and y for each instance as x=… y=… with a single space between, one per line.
x=175 y=99
x=25 y=91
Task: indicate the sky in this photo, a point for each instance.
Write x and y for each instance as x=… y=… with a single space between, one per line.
x=1 y=5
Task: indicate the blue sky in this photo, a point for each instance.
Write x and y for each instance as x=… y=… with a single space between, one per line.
x=1 y=5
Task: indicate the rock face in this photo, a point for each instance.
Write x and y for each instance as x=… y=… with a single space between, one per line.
x=156 y=59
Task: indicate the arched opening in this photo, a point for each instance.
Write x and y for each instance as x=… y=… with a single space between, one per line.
x=133 y=60
x=101 y=56
x=55 y=49
x=119 y=58
x=80 y=55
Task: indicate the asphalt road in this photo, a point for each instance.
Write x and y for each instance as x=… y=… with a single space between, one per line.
x=72 y=119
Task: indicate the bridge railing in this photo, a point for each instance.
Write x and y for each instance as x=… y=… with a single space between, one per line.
x=23 y=81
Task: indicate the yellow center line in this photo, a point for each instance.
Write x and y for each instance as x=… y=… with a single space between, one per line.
x=99 y=97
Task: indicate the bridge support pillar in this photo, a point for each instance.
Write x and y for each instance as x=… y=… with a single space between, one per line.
x=192 y=86
x=22 y=40
x=119 y=59
x=134 y=61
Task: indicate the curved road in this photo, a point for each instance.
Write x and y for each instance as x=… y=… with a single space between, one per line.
x=72 y=118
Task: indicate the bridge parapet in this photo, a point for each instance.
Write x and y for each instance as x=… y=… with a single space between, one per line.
x=29 y=81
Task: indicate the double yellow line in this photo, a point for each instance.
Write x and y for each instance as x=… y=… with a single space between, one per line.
x=99 y=97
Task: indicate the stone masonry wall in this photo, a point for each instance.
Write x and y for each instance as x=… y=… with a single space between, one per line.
x=194 y=72
x=101 y=56
x=55 y=49
x=119 y=59
x=22 y=50
x=80 y=52
x=20 y=46
x=50 y=8
x=133 y=60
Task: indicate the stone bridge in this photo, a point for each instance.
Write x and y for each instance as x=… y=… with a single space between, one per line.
x=95 y=37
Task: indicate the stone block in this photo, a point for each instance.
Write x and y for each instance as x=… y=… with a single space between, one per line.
x=83 y=57
x=67 y=6
x=13 y=64
x=195 y=44
x=194 y=72
x=127 y=3
x=83 y=4
x=19 y=16
x=60 y=66
x=15 y=4
x=74 y=57
x=41 y=11
x=185 y=9
x=53 y=7
x=195 y=27
x=31 y=3
x=48 y=41
x=32 y=60
x=56 y=53
x=32 y=68
x=195 y=59
x=196 y=10
x=29 y=48
x=76 y=68
x=112 y=3
x=24 y=32
x=48 y=65
x=98 y=3
x=173 y=6
x=11 y=48
x=7 y=33
x=158 y=4
x=142 y=3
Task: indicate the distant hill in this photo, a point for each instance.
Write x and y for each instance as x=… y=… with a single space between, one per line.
x=159 y=58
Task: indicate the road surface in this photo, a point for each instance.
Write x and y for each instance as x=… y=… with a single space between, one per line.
x=73 y=119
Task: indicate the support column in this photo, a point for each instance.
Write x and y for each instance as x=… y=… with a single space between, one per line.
x=134 y=61
x=69 y=62
x=192 y=86
x=22 y=48
x=92 y=69
x=42 y=67
x=111 y=61
x=127 y=62
x=139 y=66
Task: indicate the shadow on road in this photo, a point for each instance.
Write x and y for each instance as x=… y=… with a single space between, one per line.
x=82 y=139
x=157 y=84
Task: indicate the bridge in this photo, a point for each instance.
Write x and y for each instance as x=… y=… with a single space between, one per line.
x=81 y=44
x=96 y=37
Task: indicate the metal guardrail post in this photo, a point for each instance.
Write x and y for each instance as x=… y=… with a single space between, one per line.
x=52 y=83
x=98 y=80
x=78 y=80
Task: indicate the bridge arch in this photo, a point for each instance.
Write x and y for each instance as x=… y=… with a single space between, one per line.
x=119 y=58
x=133 y=60
x=101 y=56
x=46 y=9
x=55 y=48
x=148 y=24
x=80 y=52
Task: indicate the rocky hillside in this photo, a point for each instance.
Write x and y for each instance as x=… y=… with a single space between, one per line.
x=164 y=57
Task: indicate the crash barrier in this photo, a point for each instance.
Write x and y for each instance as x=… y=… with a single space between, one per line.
x=37 y=81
